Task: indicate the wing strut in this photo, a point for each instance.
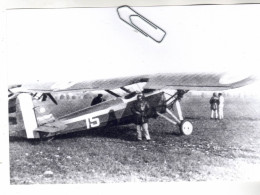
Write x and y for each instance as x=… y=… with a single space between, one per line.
x=178 y=107
x=125 y=89
x=173 y=116
x=112 y=93
x=167 y=118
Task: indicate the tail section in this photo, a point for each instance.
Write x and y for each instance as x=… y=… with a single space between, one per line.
x=31 y=119
x=28 y=115
x=22 y=118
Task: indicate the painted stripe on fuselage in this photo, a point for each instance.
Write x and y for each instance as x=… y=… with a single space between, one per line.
x=96 y=113
x=96 y=118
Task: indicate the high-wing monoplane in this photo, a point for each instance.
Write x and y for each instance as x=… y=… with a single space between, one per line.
x=38 y=119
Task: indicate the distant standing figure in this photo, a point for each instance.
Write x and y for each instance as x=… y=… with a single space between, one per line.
x=98 y=99
x=214 y=102
x=221 y=106
x=140 y=110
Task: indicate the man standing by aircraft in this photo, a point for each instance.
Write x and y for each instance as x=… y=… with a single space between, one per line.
x=221 y=106
x=140 y=110
x=214 y=102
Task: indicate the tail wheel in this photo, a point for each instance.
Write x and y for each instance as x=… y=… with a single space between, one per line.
x=186 y=127
x=43 y=135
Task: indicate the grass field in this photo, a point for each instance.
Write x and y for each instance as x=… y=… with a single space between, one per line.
x=227 y=150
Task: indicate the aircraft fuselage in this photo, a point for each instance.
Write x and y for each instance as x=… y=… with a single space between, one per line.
x=77 y=115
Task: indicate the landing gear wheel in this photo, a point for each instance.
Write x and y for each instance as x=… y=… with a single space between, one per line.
x=186 y=127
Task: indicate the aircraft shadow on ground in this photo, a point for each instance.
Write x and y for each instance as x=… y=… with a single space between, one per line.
x=175 y=133
x=125 y=132
x=121 y=132
x=16 y=139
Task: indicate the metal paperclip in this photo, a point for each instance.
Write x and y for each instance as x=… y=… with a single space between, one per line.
x=130 y=21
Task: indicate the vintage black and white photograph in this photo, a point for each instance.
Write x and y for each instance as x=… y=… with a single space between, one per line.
x=132 y=94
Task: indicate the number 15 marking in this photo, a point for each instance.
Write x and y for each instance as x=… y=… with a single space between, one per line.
x=92 y=122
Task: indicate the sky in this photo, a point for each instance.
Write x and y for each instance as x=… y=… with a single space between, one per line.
x=93 y=43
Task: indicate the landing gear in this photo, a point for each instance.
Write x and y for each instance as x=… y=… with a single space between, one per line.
x=44 y=136
x=185 y=126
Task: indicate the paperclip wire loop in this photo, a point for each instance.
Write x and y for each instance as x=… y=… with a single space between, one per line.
x=136 y=27
x=131 y=23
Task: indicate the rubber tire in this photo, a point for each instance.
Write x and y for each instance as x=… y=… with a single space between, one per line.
x=186 y=127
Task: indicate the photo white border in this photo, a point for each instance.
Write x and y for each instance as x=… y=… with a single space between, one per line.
x=128 y=188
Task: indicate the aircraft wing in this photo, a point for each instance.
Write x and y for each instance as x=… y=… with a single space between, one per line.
x=100 y=84
x=185 y=81
x=198 y=81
